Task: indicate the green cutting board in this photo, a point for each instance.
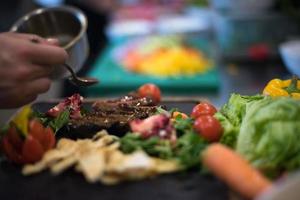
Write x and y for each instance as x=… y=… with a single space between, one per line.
x=115 y=80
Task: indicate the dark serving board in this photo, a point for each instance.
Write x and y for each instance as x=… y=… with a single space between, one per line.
x=70 y=185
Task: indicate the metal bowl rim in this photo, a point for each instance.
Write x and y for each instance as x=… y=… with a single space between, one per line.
x=70 y=9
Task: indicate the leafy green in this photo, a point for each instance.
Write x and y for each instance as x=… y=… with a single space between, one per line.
x=154 y=146
x=186 y=150
x=42 y=117
x=55 y=123
x=231 y=116
x=270 y=133
x=160 y=110
x=60 y=121
x=182 y=124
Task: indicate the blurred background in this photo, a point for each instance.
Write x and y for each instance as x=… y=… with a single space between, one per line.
x=190 y=48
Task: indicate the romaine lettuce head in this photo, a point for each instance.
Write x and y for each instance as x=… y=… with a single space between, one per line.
x=231 y=115
x=269 y=135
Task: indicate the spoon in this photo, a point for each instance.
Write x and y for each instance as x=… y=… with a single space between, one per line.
x=78 y=81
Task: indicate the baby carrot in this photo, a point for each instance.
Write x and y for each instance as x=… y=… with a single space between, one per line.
x=235 y=171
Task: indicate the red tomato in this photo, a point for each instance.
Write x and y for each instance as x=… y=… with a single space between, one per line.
x=32 y=150
x=36 y=129
x=10 y=152
x=48 y=141
x=150 y=90
x=44 y=136
x=14 y=138
x=259 y=52
x=203 y=108
x=208 y=127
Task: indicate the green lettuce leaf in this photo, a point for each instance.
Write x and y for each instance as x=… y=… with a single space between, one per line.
x=270 y=133
x=231 y=116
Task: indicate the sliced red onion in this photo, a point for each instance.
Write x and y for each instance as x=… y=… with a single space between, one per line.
x=73 y=102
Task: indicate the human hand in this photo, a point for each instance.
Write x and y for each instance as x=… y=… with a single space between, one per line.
x=25 y=67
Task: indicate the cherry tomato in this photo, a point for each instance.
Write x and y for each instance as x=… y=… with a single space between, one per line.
x=150 y=90
x=208 y=127
x=32 y=150
x=203 y=108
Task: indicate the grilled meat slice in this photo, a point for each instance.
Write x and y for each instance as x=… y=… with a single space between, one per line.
x=114 y=115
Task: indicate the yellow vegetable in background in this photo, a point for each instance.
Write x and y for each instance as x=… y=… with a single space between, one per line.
x=177 y=61
x=283 y=88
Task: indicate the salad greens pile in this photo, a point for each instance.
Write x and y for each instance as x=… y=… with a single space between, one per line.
x=264 y=130
x=185 y=150
x=231 y=116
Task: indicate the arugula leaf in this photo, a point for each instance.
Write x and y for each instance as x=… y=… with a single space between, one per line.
x=55 y=123
x=61 y=120
x=42 y=117
x=154 y=146
x=173 y=110
x=160 y=110
x=188 y=149
x=183 y=124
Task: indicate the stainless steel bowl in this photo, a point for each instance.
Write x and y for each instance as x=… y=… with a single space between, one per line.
x=65 y=23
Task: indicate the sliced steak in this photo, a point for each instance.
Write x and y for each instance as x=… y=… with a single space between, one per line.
x=114 y=115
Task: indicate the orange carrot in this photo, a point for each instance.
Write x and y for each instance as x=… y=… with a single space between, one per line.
x=235 y=171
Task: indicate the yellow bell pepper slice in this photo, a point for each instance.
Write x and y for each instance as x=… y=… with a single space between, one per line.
x=22 y=118
x=283 y=88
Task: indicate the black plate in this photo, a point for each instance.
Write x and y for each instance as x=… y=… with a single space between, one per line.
x=72 y=186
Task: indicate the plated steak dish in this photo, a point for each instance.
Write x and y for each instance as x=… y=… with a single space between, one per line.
x=252 y=138
x=115 y=115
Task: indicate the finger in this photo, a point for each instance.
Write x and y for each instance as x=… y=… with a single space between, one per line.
x=39 y=71
x=45 y=54
x=23 y=92
x=29 y=37
x=31 y=88
x=28 y=91
x=35 y=38
x=26 y=72
x=52 y=41
x=37 y=86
